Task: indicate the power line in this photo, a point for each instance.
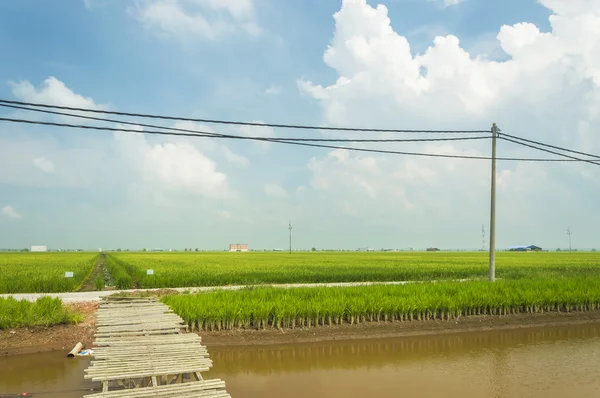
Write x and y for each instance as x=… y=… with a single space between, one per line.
x=280 y=141
x=255 y=124
x=552 y=146
x=298 y=141
x=573 y=158
x=216 y=135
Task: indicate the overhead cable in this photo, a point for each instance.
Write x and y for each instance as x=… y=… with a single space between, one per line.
x=217 y=135
x=550 y=146
x=255 y=124
x=280 y=141
x=572 y=158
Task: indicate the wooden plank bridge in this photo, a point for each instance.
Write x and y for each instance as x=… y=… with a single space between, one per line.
x=139 y=351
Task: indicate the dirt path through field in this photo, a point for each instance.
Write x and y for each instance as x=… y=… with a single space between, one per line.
x=88 y=285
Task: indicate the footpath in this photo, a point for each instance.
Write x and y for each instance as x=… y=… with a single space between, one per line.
x=81 y=297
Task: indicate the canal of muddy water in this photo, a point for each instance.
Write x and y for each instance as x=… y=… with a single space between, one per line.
x=534 y=363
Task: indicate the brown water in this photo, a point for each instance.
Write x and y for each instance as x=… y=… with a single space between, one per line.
x=545 y=363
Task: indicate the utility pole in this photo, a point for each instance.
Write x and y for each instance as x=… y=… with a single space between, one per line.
x=569 y=233
x=493 y=208
x=483 y=238
x=290 y=237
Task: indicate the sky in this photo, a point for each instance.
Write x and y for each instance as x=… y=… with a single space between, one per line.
x=532 y=67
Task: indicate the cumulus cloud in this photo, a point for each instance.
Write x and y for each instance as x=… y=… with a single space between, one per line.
x=10 y=212
x=173 y=166
x=44 y=164
x=212 y=146
x=275 y=191
x=234 y=158
x=547 y=89
x=188 y=19
x=52 y=91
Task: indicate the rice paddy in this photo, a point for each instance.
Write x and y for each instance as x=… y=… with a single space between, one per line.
x=44 y=272
x=45 y=311
x=261 y=308
x=218 y=269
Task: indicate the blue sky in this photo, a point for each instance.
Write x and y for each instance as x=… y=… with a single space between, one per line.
x=530 y=66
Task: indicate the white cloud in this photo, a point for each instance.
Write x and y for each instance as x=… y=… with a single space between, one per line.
x=548 y=89
x=10 y=212
x=258 y=131
x=176 y=166
x=234 y=158
x=273 y=90
x=448 y=3
x=54 y=92
x=44 y=164
x=213 y=146
x=275 y=191
x=188 y=19
x=80 y=164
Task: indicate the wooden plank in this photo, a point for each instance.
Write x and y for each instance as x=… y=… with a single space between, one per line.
x=147 y=373
x=125 y=320
x=138 y=327
x=130 y=363
x=199 y=353
x=211 y=387
x=178 y=338
x=140 y=333
x=140 y=341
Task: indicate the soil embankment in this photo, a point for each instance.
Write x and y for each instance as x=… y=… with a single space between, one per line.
x=379 y=330
x=59 y=337
x=64 y=337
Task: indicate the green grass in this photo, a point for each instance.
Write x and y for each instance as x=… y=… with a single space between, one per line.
x=45 y=311
x=44 y=272
x=217 y=269
x=261 y=308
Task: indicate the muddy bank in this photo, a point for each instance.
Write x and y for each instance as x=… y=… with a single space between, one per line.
x=60 y=337
x=64 y=337
x=375 y=330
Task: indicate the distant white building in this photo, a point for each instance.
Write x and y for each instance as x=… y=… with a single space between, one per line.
x=39 y=248
x=238 y=247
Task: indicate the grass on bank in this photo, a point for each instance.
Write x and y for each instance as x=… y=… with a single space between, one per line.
x=45 y=311
x=261 y=308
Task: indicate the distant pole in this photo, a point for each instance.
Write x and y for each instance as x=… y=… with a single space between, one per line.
x=290 y=237
x=569 y=233
x=493 y=208
x=483 y=238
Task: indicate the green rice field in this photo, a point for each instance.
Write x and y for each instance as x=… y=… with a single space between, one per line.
x=262 y=307
x=218 y=269
x=44 y=272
